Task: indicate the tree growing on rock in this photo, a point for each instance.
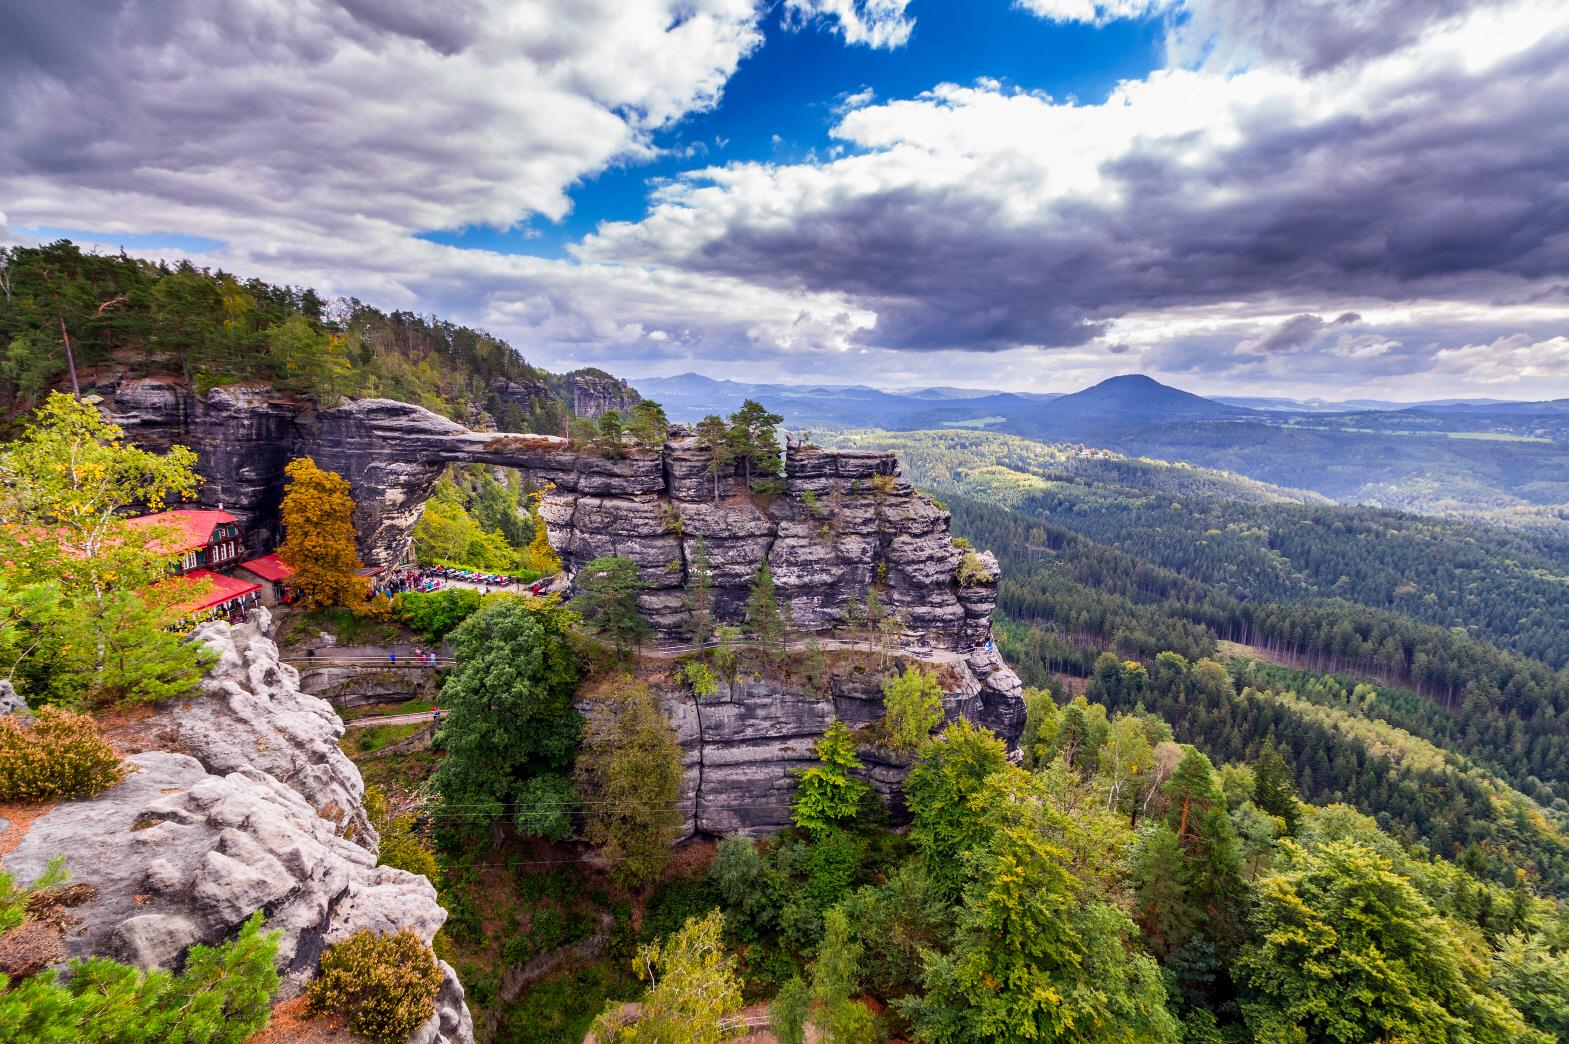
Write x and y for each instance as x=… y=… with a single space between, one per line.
x=912 y=707
x=319 y=540
x=754 y=441
x=648 y=424
x=700 y=594
x=764 y=617
x=713 y=435
x=607 y=601
x=629 y=778
x=829 y=793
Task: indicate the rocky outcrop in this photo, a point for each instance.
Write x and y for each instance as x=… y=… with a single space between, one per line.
x=596 y=393
x=744 y=745
x=256 y=811
x=253 y=714
x=845 y=521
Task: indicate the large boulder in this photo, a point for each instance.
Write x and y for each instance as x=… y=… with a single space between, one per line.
x=252 y=713
x=179 y=855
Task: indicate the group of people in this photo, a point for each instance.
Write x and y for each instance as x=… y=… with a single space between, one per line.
x=409 y=580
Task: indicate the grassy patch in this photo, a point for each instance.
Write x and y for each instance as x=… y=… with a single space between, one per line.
x=348 y=627
x=372 y=738
x=423 y=705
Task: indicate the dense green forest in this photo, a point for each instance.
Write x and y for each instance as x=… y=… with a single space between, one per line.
x=1504 y=587
x=1067 y=598
x=112 y=313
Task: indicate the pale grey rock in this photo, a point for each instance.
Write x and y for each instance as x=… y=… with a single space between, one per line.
x=253 y=713
x=178 y=855
x=11 y=701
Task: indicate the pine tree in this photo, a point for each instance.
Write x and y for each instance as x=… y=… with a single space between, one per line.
x=608 y=435
x=700 y=594
x=607 y=599
x=649 y=425
x=764 y=616
x=753 y=440
x=1272 y=787
x=713 y=435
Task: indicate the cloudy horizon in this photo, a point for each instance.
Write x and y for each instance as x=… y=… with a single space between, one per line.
x=1238 y=197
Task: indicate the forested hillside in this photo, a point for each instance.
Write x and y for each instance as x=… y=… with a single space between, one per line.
x=1241 y=539
x=115 y=313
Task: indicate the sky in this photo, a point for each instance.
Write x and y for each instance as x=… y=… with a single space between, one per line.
x=1277 y=197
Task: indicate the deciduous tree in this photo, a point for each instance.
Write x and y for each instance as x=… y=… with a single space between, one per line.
x=693 y=995
x=829 y=793
x=319 y=541
x=912 y=707
x=83 y=608
x=510 y=730
x=629 y=779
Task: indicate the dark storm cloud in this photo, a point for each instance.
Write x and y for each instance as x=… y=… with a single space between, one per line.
x=446 y=27
x=1312 y=35
x=1450 y=185
x=1298 y=332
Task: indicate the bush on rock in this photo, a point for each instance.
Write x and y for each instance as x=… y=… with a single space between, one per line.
x=57 y=755
x=384 y=985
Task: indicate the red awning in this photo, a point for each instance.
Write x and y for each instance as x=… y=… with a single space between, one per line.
x=223 y=589
x=268 y=567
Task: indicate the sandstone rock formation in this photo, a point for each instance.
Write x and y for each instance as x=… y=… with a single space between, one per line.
x=259 y=812
x=595 y=393
x=744 y=745
x=253 y=714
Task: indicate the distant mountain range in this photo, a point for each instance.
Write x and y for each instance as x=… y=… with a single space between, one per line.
x=690 y=396
x=1500 y=461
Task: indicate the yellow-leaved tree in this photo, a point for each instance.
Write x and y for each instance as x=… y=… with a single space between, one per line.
x=319 y=542
x=539 y=554
x=85 y=606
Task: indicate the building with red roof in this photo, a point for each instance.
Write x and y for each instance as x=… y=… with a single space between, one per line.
x=272 y=571
x=203 y=539
x=225 y=596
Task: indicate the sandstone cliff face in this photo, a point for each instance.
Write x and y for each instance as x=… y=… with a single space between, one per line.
x=845 y=523
x=744 y=745
x=256 y=809
x=595 y=394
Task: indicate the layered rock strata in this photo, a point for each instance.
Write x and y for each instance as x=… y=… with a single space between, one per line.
x=256 y=809
x=845 y=521
x=744 y=746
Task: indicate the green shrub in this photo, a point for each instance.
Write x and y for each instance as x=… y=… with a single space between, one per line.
x=385 y=986
x=400 y=846
x=223 y=997
x=972 y=572
x=57 y=755
x=435 y=613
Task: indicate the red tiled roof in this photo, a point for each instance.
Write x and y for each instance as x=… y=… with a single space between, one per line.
x=194 y=527
x=268 y=567
x=224 y=589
